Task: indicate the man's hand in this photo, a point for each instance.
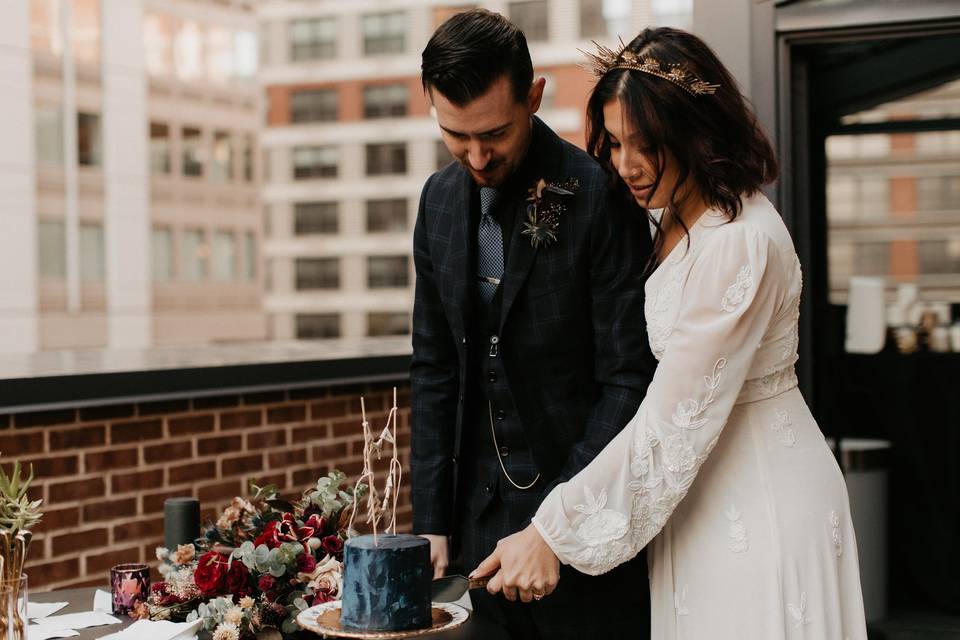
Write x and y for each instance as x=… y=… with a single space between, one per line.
x=439 y=554
x=527 y=567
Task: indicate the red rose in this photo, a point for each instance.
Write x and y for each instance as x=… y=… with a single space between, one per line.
x=332 y=545
x=268 y=537
x=306 y=563
x=322 y=595
x=238 y=579
x=210 y=574
x=266 y=582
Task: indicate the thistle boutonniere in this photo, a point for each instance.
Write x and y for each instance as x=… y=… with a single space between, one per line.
x=546 y=201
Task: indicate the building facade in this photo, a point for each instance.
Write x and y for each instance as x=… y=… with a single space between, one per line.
x=350 y=140
x=131 y=196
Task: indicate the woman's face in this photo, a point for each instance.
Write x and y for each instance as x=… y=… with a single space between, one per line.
x=635 y=161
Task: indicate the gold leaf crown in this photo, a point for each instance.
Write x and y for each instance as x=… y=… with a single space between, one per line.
x=605 y=59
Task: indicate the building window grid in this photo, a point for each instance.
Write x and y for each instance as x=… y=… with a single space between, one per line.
x=388 y=272
x=315 y=218
x=384 y=33
x=317 y=273
x=314 y=39
x=388 y=158
x=385 y=101
x=532 y=17
x=388 y=324
x=315 y=162
x=192 y=152
x=387 y=215
x=313 y=105
x=313 y=326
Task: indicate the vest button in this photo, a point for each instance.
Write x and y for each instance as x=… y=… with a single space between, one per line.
x=491 y=376
x=504 y=451
x=494 y=339
x=501 y=415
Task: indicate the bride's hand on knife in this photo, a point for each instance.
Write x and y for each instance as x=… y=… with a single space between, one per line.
x=522 y=565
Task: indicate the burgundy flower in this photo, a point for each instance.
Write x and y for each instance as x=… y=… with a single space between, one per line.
x=238 y=579
x=313 y=526
x=286 y=529
x=268 y=537
x=159 y=587
x=306 y=563
x=266 y=582
x=323 y=595
x=210 y=574
x=332 y=545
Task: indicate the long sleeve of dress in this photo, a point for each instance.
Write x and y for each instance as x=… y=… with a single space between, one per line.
x=608 y=512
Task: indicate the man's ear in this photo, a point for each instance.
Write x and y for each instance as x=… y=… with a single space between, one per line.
x=535 y=97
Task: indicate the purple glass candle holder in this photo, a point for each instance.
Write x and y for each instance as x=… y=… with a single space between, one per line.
x=129 y=586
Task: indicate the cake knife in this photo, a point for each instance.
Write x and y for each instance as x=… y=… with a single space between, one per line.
x=451 y=588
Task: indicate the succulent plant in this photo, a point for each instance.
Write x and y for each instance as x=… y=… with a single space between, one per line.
x=17 y=511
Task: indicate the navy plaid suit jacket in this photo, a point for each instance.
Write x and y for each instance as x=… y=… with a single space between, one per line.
x=572 y=330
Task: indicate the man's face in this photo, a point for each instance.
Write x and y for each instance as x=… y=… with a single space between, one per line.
x=490 y=135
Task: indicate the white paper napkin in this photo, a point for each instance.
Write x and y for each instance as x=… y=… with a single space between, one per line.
x=102 y=601
x=37 y=610
x=157 y=630
x=41 y=632
x=80 y=620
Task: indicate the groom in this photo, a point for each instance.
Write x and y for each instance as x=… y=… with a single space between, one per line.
x=529 y=347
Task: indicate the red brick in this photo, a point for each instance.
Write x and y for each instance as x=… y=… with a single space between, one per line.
x=219 y=491
x=313 y=432
x=167 y=451
x=137 y=480
x=46 y=467
x=264 y=397
x=187 y=425
x=291 y=413
x=67 y=543
x=110 y=412
x=403 y=439
x=328 y=409
x=192 y=472
x=102 y=562
x=52 y=572
x=137 y=529
x=279 y=480
x=92 y=436
x=15 y=445
x=150 y=552
x=241 y=464
x=264 y=439
x=135 y=431
x=218 y=444
x=54 y=519
x=342 y=428
x=329 y=452
x=283 y=459
x=153 y=502
x=110 y=459
x=75 y=490
x=162 y=407
x=352 y=469
x=110 y=509
x=309 y=475
x=45 y=418
x=373 y=404
x=241 y=419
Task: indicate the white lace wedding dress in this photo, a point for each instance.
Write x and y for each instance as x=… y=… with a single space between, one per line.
x=723 y=473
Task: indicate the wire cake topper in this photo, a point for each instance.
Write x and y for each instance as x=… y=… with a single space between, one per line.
x=376 y=506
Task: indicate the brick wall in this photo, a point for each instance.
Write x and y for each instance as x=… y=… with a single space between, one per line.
x=104 y=472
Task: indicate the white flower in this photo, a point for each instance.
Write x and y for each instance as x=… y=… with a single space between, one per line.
x=678 y=455
x=246 y=602
x=327 y=576
x=234 y=616
x=226 y=631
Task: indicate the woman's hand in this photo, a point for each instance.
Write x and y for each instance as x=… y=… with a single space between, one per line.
x=524 y=564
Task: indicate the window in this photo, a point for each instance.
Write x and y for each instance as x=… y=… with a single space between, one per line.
x=221 y=164
x=388 y=324
x=162 y=244
x=531 y=17
x=224 y=256
x=387 y=158
x=444 y=157
x=314 y=39
x=604 y=17
x=317 y=273
x=315 y=217
x=384 y=33
x=311 y=326
x=315 y=162
x=250 y=255
x=387 y=215
x=48 y=121
x=52 y=249
x=188 y=51
x=194 y=256
x=313 y=105
x=92 y=265
x=159 y=148
x=248 y=144
x=158 y=33
x=385 y=101
x=387 y=272
x=89 y=142
x=192 y=157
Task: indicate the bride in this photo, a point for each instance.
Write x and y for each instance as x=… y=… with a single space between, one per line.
x=723 y=473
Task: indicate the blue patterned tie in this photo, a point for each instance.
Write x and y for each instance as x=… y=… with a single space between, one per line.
x=489 y=247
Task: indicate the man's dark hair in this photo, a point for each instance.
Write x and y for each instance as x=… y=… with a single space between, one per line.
x=471 y=51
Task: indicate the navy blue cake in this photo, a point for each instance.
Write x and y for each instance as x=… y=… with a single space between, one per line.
x=386 y=587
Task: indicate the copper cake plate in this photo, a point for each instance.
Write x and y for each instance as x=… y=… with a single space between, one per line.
x=324 y=619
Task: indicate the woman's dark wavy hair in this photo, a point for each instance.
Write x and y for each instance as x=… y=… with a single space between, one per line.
x=715 y=140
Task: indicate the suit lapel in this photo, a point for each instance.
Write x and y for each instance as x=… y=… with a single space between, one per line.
x=458 y=275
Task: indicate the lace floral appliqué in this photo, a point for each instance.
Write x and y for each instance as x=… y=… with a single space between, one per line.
x=735 y=293
x=737 y=532
x=782 y=428
x=799 y=612
x=835 y=533
x=600 y=530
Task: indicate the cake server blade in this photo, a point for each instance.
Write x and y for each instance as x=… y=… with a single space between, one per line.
x=451 y=588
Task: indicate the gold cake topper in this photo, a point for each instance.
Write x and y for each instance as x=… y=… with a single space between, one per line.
x=605 y=59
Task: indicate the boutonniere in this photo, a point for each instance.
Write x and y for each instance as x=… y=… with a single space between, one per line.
x=546 y=202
